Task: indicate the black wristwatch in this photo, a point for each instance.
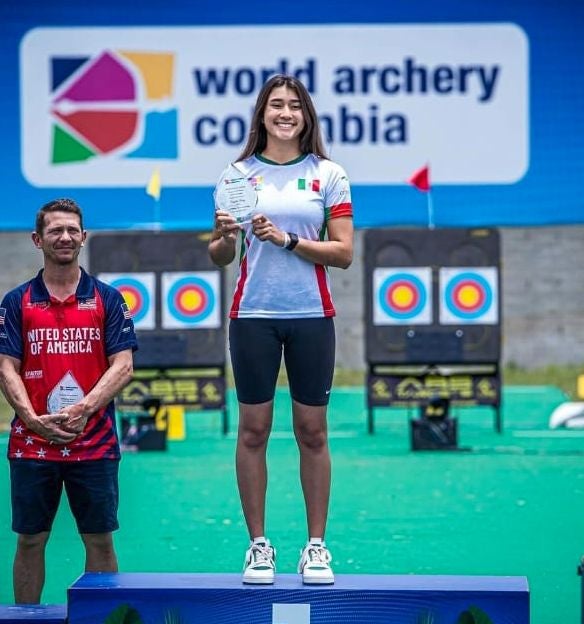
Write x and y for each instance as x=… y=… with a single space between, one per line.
x=293 y=241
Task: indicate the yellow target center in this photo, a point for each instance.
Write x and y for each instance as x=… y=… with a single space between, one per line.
x=130 y=299
x=403 y=296
x=468 y=296
x=191 y=300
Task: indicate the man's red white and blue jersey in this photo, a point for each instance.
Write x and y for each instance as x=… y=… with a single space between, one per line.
x=63 y=345
x=301 y=197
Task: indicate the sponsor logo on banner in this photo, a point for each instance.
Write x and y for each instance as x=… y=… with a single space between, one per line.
x=109 y=104
x=99 y=105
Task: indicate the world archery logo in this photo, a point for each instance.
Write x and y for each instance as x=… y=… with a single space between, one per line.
x=116 y=103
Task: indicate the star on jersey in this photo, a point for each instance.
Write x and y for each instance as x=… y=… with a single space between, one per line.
x=41 y=453
x=28 y=441
x=65 y=452
x=18 y=454
x=18 y=429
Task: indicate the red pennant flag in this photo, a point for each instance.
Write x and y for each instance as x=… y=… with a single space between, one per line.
x=421 y=179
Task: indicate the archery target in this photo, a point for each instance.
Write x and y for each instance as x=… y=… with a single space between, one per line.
x=402 y=296
x=469 y=296
x=137 y=289
x=191 y=300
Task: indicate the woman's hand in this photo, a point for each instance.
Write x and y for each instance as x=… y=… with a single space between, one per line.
x=223 y=238
x=226 y=225
x=265 y=230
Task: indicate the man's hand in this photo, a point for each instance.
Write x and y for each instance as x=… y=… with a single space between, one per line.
x=74 y=418
x=51 y=427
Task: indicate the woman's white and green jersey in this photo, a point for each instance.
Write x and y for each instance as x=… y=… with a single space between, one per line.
x=300 y=197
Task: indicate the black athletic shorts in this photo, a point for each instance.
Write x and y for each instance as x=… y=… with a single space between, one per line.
x=309 y=356
x=91 y=486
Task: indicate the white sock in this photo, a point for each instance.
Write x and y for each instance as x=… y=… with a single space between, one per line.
x=260 y=540
x=316 y=541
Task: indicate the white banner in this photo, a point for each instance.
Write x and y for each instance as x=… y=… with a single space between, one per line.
x=102 y=107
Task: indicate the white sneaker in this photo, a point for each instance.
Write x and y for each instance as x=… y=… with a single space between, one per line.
x=259 y=566
x=314 y=565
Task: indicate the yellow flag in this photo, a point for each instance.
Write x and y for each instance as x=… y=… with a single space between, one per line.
x=154 y=186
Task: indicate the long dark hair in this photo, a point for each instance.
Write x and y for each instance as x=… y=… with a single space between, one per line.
x=310 y=138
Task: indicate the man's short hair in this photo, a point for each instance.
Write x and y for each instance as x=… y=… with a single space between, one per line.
x=57 y=205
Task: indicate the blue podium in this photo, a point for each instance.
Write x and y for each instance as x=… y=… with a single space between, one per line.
x=25 y=614
x=97 y=598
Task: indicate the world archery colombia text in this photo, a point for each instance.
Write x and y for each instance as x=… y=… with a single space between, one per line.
x=371 y=122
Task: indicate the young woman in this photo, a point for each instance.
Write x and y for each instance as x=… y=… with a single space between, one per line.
x=302 y=223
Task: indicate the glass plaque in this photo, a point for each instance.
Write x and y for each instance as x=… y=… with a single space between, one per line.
x=236 y=195
x=66 y=392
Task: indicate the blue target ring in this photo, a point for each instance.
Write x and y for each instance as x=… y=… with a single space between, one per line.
x=407 y=281
x=135 y=295
x=484 y=296
x=184 y=287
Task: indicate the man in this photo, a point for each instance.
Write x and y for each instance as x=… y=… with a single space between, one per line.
x=66 y=345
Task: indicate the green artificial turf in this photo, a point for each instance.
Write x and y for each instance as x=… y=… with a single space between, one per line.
x=509 y=504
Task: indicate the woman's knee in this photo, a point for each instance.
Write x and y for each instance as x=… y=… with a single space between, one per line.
x=254 y=436
x=255 y=424
x=311 y=436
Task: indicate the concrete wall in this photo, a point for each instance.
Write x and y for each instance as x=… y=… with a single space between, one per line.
x=542 y=294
